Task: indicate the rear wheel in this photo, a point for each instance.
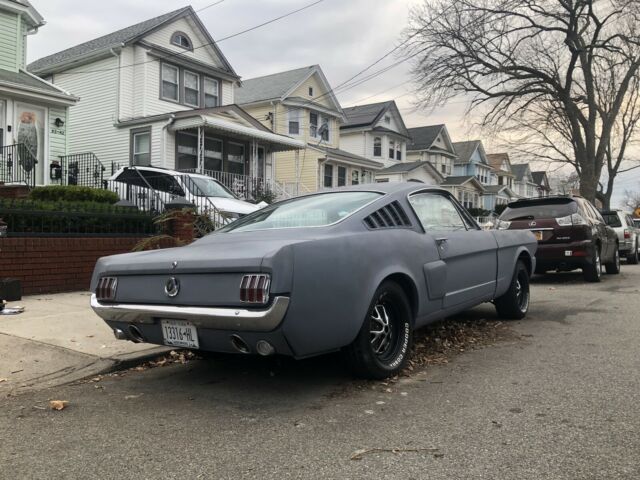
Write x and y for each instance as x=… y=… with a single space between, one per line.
x=632 y=258
x=383 y=344
x=593 y=271
x=514 y=304
x=613 y=268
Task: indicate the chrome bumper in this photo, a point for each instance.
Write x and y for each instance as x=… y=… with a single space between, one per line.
x=203 y=317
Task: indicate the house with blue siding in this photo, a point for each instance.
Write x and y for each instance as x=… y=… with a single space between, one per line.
x=33 y=112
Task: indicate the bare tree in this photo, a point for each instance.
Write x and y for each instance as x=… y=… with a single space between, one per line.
x=558 y=73
x=632 y=199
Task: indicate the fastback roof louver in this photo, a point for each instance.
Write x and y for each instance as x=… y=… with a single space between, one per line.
x=389 y=216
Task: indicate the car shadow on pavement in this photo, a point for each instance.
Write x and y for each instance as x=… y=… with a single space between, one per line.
x=559 y=278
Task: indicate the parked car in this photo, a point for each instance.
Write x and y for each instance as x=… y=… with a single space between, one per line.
x=150 y=187
x=571 y=234
x=355 y=268
x=628 y=233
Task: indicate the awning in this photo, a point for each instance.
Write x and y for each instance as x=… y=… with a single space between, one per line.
x=278 y=143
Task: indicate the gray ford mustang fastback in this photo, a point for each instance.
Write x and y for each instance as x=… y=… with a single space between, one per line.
x=354 y=269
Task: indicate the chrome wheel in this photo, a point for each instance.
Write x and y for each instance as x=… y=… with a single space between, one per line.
x=522 y=294
x=381 y=330
x=598 y=264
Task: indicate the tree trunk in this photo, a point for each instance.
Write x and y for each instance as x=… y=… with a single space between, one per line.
x=589 y=184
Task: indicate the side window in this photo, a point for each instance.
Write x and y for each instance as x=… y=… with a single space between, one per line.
x=436 y=213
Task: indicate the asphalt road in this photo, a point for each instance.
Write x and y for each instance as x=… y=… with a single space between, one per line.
x=560 y=402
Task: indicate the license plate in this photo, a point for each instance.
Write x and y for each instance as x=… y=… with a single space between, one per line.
x=178 y=333
x=538 y=235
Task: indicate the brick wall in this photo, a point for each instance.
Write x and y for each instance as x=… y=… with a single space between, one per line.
x=50 y=265
x=14 y=191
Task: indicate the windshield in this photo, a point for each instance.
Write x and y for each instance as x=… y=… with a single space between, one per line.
x=538 y=210
x=208 y=187
x=612 y=219
x=313 y=211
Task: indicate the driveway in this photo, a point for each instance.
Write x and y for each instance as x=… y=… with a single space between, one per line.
x=559 y=399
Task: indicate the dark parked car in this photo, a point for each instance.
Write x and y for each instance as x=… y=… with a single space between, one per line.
x=628 y=234
x=571 y=234
x=356 y=269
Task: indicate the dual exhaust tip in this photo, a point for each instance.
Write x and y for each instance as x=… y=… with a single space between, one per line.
x=263 y=347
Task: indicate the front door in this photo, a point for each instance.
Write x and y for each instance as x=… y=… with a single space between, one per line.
x=469 y=254
x=30 y=132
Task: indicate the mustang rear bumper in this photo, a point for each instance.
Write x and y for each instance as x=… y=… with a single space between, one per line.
x=233 y=319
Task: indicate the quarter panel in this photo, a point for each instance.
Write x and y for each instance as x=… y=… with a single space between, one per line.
x=511 y=244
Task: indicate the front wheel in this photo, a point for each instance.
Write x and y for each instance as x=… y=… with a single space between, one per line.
x=514 y=304
x=383 y=344
x=613 y=268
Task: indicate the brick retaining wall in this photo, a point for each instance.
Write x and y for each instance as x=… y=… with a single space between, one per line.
x=55 y=264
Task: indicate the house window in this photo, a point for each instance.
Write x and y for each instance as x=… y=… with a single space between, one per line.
x=328 y=176
x=342 y=176
x=181 y=39
x=319 y=126
x=443 y=168
x=187 y=151
x=294 y=121
x=191 y=89
x=313 y=124
x=141 y=147
x=170 y=83
x=398 y=151
x=387 y=119
x=211 y=92
x=377 y=147
x=392 y=149
x=355 y=177
x=212 y=154
x=311 y=91
x=235 y=157
x=324 y=128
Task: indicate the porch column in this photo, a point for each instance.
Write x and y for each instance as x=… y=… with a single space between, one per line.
x=297 y=179
x=200 y=167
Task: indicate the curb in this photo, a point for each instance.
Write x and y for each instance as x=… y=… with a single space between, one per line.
x=129 y=360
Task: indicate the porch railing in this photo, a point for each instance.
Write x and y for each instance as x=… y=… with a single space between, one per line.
x=245 y=187
x=18 y=165
x=83 y=169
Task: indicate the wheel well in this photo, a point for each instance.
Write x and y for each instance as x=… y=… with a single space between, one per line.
x=526 y=259
x=406 y=283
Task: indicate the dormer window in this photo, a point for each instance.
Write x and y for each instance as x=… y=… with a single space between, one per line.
x=180 y=39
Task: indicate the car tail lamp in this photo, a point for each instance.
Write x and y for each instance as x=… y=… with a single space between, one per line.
x=106 y=289
x=627 y=234
x=569 y=220
x=255 y=288
x=502 y=225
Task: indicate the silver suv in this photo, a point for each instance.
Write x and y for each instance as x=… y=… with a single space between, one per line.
x=628 y=233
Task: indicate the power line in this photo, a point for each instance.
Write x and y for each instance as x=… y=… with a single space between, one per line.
x=210 y=5
x=178 y=54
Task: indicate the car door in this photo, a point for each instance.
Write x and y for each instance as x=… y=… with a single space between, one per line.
x=469 y=254
x=606 y=234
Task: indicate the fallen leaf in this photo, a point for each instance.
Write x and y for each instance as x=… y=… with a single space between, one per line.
x=58 y=404
x=359 y=454
x=369 y=412
x=2 y=380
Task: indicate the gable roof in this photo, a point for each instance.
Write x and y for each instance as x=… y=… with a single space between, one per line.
x=497 y=159
x=409 y=167
x=28 y=83
x=497 y=189
x=461 y=180
x=541 y=179
x=423 y=137
x=520 y=170
x=370 y=114
x=119 y=38
x=466 y=149
x=33 y=16
x=271 y=87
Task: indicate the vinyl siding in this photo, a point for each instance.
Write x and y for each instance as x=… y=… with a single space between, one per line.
x=127 y=83
x=9 y=33
x=355 y=143
x=91 y=122
x=308 y=168
x=57 y=141
x=228 y=96
x=22 y=42
x=162 y=37
x=318 y=90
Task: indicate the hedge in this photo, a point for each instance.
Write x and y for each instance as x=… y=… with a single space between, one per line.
x=38 y=218
x=73 y=193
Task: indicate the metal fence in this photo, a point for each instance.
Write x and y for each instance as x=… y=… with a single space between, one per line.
x=18 y=165
x=83 y=169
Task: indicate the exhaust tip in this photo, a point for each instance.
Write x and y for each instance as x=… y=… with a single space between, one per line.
x=239 y=344
x=135 y=335
x=119 y=334
x=265 y=349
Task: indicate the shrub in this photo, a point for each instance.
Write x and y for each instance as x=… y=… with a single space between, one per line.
x=73 y=193
x=478 y=212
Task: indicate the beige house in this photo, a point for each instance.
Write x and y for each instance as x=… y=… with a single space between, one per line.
x=300 y=104
x=501 y=166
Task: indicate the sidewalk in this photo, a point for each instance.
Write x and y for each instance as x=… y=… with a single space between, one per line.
x=58 y=339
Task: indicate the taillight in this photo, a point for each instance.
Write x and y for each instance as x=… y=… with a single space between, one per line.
x=255 y=288
x=569 y=220
x=106 y=289
x=627 y=234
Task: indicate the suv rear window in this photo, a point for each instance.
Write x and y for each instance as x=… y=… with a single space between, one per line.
x=532 y=209
x=612 y=219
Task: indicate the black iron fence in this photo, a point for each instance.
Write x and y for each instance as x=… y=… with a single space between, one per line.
x=18 y=165
x=83 y=169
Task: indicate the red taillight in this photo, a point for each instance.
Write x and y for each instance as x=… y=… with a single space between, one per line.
x=106 y=289
x=255 y=288
x=627 y=234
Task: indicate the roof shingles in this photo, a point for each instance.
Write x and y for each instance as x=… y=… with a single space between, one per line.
x=270 y=87
x=423 y=137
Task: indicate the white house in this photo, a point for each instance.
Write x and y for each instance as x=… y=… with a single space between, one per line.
x=524 y=184
x=33 y=112
x=432 y=144
x=375 y=131
x=410 y=171
x=161 y=93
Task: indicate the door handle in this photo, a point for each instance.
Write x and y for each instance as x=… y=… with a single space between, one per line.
x=441 y=240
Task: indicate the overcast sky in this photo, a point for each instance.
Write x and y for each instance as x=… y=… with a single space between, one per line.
x=343 y=36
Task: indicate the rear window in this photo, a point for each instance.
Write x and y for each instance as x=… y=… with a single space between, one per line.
x=538 y=210
x=612 y=219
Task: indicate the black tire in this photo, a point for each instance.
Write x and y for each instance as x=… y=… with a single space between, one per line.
x=514 y=304
x=592 y=272
x=632 y=258
x=613 y=268
x=383 y=344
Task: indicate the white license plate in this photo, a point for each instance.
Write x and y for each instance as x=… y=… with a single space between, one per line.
x=178 y=333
